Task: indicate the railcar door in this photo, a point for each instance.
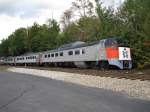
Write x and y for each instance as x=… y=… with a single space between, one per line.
x=38 y=59
x=102 y=50
x=15 y=61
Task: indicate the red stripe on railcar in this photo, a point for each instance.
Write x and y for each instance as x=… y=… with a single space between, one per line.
x=112 y=53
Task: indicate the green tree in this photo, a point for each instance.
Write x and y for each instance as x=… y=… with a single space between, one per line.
x=135 y=16
x=53 y=32
x=4 y=47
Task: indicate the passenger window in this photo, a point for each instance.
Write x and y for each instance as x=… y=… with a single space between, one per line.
x=56 y=54
x=70 y=53
x=52 y=55
x=48 y=55
x=77 y=52
x=83 y=51
x=45 y=56
x=61 y=54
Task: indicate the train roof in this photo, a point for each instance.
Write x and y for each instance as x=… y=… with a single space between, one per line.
x=72 y=45
x=77 y=44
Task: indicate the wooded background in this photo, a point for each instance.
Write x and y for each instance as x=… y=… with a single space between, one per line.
x=84 y=22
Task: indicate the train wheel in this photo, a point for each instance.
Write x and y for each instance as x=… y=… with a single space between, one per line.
x=91 y=64
x=104 y=65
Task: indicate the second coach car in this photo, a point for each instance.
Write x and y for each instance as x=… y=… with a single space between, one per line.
x=103 y=53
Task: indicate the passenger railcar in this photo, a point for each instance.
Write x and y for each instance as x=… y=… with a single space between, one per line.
x=103 y=53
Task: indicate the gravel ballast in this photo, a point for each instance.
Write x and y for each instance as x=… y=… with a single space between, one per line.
x=133 y=88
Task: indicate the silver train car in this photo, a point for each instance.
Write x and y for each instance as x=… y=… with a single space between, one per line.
x=103 y=54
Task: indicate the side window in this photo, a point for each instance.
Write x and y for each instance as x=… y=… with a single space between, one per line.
x=61 y=54
x=77 y=52
x=110 y=43
x=52 y=55
x=45 y=56
x=83 y=51
x=49 y=55
x=56 y=54
x=70 y=53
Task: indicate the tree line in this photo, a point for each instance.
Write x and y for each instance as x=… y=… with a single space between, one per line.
x=84 y=22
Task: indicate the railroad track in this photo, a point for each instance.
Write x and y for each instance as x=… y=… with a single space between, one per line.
x=134 y=74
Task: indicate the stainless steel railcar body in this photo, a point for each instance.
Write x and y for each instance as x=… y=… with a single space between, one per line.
x=104 y=52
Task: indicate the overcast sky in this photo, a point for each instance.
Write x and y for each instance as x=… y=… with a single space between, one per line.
x=23 y=13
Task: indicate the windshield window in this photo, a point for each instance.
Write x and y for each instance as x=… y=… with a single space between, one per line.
x=111 y=43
